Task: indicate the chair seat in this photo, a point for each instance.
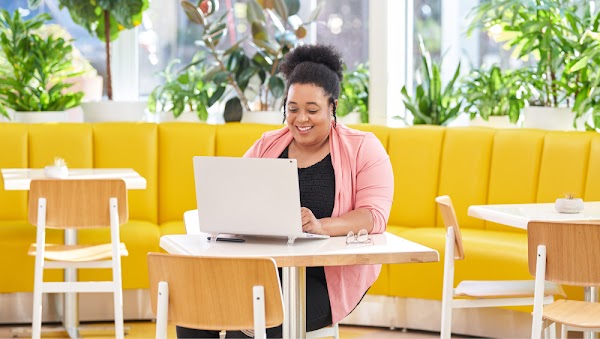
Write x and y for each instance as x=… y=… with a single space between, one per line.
x=78 y=253
x=503 y=288
x=574 y=313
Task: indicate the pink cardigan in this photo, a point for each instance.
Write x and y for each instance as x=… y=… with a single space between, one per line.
x=363 y=179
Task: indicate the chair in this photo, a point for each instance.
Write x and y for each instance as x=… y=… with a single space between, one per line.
x=473 y=293
x=186 y=291
x=192 y=227
x=566 y=253
x=76 y=204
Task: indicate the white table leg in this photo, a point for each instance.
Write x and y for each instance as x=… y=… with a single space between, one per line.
x=70 y=306
x=590 y=294
x=294 y=302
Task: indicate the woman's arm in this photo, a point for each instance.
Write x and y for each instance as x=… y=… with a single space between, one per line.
x=374 y=194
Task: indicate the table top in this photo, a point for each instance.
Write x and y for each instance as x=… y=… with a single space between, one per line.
x=18 y=179
x=386 y=249
x=519 y=215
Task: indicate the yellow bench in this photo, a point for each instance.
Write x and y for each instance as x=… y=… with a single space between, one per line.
x=472 y=165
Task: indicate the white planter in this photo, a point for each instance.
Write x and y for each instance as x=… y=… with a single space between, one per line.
x=352 y=118
x=493 y=121
x=39 y=117
x=104 y=111
x=571 y=206
x=550 y=118
x=263 y=117
x=56 y=172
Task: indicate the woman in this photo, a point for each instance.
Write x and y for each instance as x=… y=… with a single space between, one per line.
x=345 y=177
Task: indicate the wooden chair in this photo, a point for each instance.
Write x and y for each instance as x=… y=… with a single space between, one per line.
x=566 y=253
x=192 y=227
x=214 y=293
x=77 y=204
x=478 y=293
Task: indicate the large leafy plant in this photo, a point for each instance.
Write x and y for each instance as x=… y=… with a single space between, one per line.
x=250 y=66
x=182 y=90
x=354 y=96
x=104 y=19
x=549 y=34
x=32 y=68
x=495 y=92
x=431 y=104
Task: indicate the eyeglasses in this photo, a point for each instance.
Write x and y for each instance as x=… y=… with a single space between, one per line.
x=362 y=237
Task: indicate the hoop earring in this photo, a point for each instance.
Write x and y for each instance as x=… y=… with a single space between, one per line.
x=334 y=116
x=284 y=110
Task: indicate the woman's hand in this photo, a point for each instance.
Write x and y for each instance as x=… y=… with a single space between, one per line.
x=310 y=223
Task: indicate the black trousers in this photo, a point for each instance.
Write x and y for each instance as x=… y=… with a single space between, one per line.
x=318 y=310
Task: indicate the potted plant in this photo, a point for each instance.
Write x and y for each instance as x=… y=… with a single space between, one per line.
x=105 y=20
x=249 y=81
x=494 y=97
x=431 y=104
x=184 y=96
x=550 y=33
x=88 y=82
x=33 y=71
x=587 y=105
x=353 y=104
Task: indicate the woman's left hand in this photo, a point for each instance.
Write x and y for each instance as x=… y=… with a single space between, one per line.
x=310 y=223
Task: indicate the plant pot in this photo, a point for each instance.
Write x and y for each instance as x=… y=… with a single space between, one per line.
x=104 y=111
x=493 y=121
x=571 y=206
x=263 y=117
x=163 y=116
x=38 y=117
x=56 y=172
x=549 y=118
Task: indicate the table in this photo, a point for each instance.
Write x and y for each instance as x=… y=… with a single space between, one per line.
x=19 y=179
x=386 y=249
x=519 y=215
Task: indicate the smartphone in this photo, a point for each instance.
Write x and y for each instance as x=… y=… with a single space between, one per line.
x=228 y=239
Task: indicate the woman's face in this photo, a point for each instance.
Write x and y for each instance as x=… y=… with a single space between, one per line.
x=308 y=114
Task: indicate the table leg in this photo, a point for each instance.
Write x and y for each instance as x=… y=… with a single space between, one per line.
x=590 y=294
x=294 y=302
x=70 y=306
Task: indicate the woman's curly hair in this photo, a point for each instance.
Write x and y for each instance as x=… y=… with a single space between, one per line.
x=320 y=65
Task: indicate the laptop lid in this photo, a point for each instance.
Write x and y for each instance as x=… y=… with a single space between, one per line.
x=248 y=196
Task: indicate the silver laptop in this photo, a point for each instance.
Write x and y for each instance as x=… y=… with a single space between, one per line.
x=249 y=196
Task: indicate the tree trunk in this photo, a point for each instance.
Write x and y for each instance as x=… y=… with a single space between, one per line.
x=107 y=47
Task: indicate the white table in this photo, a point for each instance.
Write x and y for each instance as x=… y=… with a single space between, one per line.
x=519 y=215
x=19 y=179
x=386 y=249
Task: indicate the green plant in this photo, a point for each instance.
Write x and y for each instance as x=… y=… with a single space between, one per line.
x=495 y=92
x=354 y=96
x=32 y=68
x=587 y=104
x=182 y=89
x=255 y=74
x=431 y=104
x=549 y=32
x=104 y=19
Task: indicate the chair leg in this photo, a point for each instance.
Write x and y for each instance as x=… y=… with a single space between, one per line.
x=36 y=325
x=336 y=331
x=448 y=285
x=116 y=268
x=162 y=310
x=564 y=330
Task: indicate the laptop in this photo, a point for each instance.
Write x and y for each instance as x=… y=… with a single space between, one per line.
x=249 y=196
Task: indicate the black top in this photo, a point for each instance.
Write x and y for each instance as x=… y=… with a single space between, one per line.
x=317 y=186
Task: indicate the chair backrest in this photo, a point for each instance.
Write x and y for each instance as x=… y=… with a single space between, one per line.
x=77 y=203
x=572 y=251
x=215 y=293
x=449 y=216
x=190 y=219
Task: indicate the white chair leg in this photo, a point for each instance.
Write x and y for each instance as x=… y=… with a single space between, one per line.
x=162 y=310
x=336 y=331
x=564 y=330
x=116 y=269
x=538 y=297
x=258 y=294
x=448 y=285
x=36 y=325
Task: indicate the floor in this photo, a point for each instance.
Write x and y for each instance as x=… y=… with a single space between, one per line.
x=145 y=330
